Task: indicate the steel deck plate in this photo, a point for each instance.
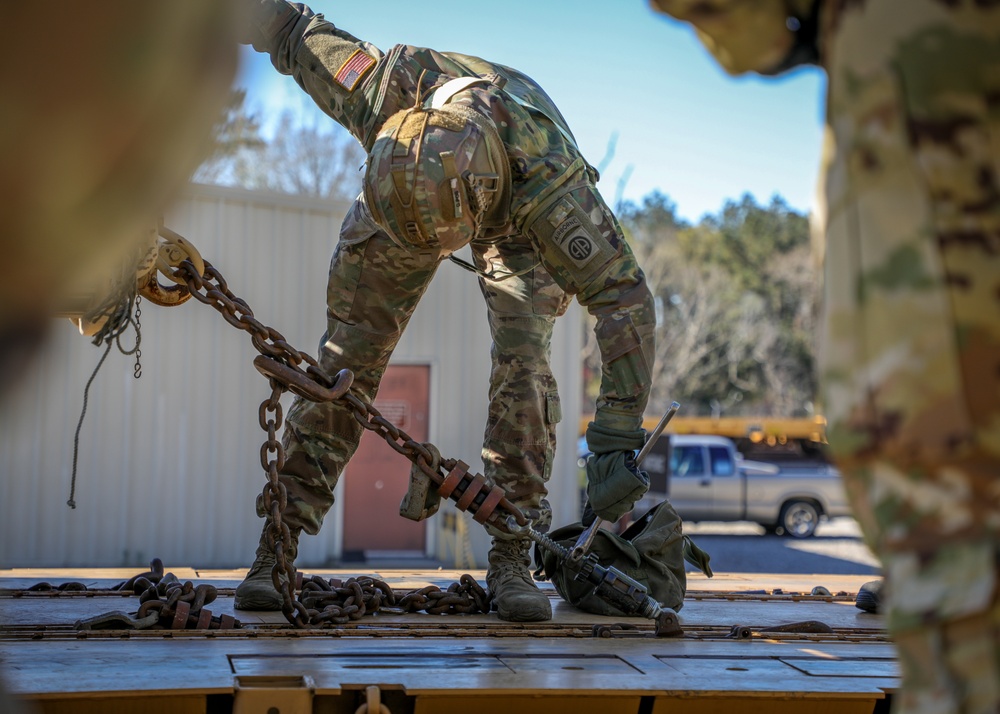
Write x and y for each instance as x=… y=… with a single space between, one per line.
x=439 y=659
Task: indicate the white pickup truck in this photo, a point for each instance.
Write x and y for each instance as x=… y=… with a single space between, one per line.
x=707 y=479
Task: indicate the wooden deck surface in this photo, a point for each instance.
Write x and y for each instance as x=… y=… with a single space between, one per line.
x=849 y=670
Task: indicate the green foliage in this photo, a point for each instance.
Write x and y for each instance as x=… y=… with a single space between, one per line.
x=736 y=298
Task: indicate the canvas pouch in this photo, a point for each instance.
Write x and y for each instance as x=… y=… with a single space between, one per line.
x=652 y=551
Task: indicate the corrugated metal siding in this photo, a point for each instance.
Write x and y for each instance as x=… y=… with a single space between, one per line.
x=169 y=464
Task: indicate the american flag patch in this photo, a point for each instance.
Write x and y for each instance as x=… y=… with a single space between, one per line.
x=353 y=70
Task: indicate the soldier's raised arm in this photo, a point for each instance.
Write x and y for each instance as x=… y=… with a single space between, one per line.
x=339 y=71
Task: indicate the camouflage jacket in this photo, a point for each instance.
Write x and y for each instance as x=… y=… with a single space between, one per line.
x=360 y=87
x=542 y=148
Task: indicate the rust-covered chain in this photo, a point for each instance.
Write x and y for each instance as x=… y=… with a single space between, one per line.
x=339 y=602
x=464 y=597
x=164 y=602
x=487 y=502
x=167 y=603
x=336 y=602
x=282 y=365
x=275 y=497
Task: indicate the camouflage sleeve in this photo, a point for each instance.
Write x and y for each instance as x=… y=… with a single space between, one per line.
x=339 y=71
x=582 y=246
x=276 y=28
x=625 y=330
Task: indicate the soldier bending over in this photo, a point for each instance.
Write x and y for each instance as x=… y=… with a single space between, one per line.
x=462 y=152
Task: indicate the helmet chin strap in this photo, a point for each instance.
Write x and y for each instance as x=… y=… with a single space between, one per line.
x=493 y=276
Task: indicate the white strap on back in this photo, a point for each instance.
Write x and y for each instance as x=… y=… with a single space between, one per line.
x=449 y=89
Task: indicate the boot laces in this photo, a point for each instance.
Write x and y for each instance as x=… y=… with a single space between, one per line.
x=265 y=560
x=507 y=563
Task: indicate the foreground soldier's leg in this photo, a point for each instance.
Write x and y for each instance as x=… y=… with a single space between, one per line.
x=373 y=288
x=911 y=368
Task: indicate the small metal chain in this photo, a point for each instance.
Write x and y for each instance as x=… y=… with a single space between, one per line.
x=137 y=372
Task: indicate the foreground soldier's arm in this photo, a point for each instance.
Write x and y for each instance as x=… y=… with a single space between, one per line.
x=763 y=36
x=907 y=363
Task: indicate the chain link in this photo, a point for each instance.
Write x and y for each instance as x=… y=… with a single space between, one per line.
x=165 y=602
x=275 y=498
x=137 y=371
x=282 y=364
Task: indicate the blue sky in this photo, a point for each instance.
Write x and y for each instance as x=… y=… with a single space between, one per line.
x=615 y=69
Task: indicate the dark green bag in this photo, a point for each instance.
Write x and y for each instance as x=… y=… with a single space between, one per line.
x=652 y=551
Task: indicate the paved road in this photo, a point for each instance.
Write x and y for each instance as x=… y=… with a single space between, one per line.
x=836 y=549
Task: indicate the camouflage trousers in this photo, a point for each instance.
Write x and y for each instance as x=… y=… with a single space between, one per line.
x=944 y=618
x=911 y=353
x=373 y=288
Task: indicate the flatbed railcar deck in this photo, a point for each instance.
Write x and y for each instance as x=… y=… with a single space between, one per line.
x=749 y=643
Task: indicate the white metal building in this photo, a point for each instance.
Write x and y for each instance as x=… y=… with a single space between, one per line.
x=169 y=464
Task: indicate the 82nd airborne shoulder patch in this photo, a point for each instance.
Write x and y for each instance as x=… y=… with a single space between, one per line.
x=575 y=242
x=351 y=72
x=572 y=245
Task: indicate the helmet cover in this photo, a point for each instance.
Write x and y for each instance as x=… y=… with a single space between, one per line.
x=433 y=175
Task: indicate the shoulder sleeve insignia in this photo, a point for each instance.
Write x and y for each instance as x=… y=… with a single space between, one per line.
x=575 y=241
x=351 y=72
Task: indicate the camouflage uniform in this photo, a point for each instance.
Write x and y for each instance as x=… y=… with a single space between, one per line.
x=532 y=259
x=911 y=342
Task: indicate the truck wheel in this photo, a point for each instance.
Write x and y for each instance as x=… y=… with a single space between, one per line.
x=799 y=519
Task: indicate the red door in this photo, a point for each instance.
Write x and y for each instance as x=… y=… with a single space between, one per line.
x=377 y=476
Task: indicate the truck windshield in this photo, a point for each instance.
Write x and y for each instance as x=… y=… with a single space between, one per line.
x=687 y=460
x=722 y=461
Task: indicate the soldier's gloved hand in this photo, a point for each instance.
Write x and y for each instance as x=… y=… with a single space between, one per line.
x=614 y=483
x=256 y=17
x=614 y=480
x=603 y=439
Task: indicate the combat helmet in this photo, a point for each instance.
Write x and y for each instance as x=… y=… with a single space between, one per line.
x=435 y=176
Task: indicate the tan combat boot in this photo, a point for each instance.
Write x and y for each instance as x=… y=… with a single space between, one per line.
x=257 y=592
x=515 y=596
